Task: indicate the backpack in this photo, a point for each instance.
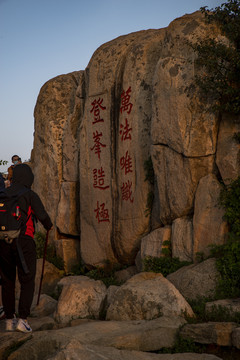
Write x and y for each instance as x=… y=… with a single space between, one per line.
x=11 y=217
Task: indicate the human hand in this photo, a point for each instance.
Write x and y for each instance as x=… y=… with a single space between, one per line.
x=7 y=183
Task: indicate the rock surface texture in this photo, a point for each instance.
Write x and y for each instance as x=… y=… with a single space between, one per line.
x=95 y=131
x=67 y=332
x=144 y=315
x=99 y=133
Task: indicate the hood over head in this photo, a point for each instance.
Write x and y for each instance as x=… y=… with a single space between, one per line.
x=2 y=183
x=23 y=175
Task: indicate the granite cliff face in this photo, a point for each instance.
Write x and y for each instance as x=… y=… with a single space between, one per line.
x=94 y=131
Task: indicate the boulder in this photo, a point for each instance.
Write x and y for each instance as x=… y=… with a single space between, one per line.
x=75 y=350
x=232 y=305
x=125 y=274
x=8 y=341
x=42 y=323
x=176 y=123
x=47 y=306
x=81 y=297
x=67 y=217
x=110 y=294
x=236 y=337
x=125 y=335
x=147 y=296
x=209 y=228
x=177 y=179
x=51 y=277
x=196 y=280
x=114 y=144
x=57 y=114
x=96 y=129
x=69 y=251
x=153 y=243
x=182 y=239
x=138 y=262
x=219 y=333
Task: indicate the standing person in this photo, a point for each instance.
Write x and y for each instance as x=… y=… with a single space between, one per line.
x=16 y=160
x=2 y=313
x=21 y=252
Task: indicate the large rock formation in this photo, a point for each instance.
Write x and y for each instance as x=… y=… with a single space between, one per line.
x=95 y=129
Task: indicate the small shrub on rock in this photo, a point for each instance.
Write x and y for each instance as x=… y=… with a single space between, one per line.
x=163 y=265
x=228 y=254
x=183 y=346
x=219 y=82
x=105 y=274
x=218 y=313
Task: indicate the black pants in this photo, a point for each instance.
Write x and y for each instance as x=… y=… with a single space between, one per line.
x=9 y=262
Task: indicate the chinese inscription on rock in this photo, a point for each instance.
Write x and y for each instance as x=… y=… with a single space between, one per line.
x=125 y=134
x=98 y=174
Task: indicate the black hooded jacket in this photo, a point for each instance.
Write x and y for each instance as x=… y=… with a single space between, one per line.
x=29 y=202
x=2 y=184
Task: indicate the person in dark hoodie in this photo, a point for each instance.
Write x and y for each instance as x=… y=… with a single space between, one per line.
x=21 y=252
x=2 y=313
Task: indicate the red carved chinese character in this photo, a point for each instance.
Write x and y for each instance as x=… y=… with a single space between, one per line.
x=98 y=179
x=126 y=163
x=98 y=144
x=101 y=213
x=126 y=105
x=96 y=106
x=126 y=191
x=125 y=132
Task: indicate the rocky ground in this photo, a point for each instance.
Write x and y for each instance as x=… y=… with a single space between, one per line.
x=133 y=321
x=97 y=340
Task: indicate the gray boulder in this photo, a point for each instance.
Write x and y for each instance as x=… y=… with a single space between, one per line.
x=219 y=333
x=196 y=280
x=81 y=297
x=147 y=296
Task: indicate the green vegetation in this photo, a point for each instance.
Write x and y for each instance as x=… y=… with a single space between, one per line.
x=198 y=307
x=150 y=198
x=106 y=274
x=183 y=346
x=51 y=255
x=228 y=262
x=228 y=254
x=218 y=81
x=186 y=345
x=165 y=264
x=230 y=200
x=78 y=269
x=217 y=313
x=218 y=84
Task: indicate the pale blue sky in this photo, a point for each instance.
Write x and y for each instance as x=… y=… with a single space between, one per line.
x=40 y=39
